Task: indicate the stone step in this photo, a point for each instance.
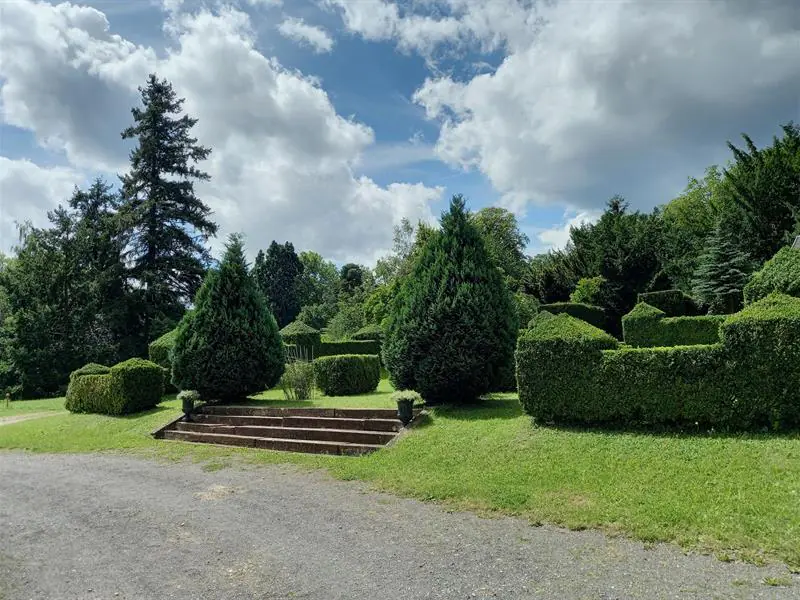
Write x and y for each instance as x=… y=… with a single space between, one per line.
x=282 y=444
x=270 y=411
x=301 y=421
x=349 y=436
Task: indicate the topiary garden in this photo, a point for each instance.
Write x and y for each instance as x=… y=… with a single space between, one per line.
x=128 y=387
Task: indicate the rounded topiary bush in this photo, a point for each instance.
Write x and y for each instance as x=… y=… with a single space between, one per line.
x=228 y=347
x=128 y=387
x=781 y=274
x=90 y=369
x=305 y=338
x=452 y=326
x=347 y=374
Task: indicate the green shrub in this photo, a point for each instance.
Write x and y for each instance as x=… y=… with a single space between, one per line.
x=160 y=349
x=647 y=326
x=407 y=395
x=674 y=303
x=569 y=372
x=594 y=315
x=347 y=374
x=368 y=332
x=128 y=387
x=298 y=380
x=348 y=347
x=526 y=306
x=781 y=274
x=452 y=325
x=228 y=347
x=301 y=335
x=594 y=291
x=90 y=369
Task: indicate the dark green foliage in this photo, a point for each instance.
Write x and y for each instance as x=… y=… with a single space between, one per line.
x=766 y=187
x=526 y=306
x=750 y=380
x=646 y=326
x=347 y=374
x=551 y=277
x=452 y=326
x=160 y=349
x=723 y=272
x=349 y=347
x=349 y=318
x=781 y=274
x=317 y=315
x=90 y=369
x=504 y=242
x=277 y=275
x=351 y=277
x=128 y=387
x=673 y=302
x=228 y=347
x=369 y=332
x=593 y=315
x=165 y=223
x=592 y=290
x=302 y=336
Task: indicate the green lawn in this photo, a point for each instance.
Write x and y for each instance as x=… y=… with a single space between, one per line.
x=735 y=496
x=21 y=407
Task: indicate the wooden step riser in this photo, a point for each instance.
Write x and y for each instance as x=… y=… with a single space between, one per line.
x=285 y=445
x=295 y=433
x=387 y=425
x=262 y=411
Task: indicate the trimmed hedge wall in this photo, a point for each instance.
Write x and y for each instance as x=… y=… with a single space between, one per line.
x=128 y=387
x=160 y=352
x=593 y=315
x=306 y=338
x=348 y=347
x=781 y=273
x=369 y=332
x=347 y=374
x=571 y=372
x=673 y=302
x=647 y=326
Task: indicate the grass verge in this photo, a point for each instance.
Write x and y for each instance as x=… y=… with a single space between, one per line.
x=735 y=496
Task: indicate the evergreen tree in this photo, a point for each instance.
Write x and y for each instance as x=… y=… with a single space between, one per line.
x=228 y=346
x=723 y=272
x=277 y=275
x=166 y=224
x=453 y=325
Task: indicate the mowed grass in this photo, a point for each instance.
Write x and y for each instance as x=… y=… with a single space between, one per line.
x=734 y=496
x=22 y=407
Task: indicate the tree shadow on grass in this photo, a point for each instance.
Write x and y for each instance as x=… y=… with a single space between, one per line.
x=490 y=407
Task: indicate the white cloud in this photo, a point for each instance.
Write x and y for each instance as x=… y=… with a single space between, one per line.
x=557 y=237
x=283 y=160
x=311 y=35
x=597 y=98
x=27 y=192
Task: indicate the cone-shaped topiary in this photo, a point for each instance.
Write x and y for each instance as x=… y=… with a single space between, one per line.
x=453 y=325
x=228 y=347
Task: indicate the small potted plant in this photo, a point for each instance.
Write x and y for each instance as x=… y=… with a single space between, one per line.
x=188 y=399
x=405 y=404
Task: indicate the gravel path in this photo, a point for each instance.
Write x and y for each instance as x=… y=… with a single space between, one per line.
x=90 y=526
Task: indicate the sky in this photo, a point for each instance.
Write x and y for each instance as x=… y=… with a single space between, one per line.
x=331 y=120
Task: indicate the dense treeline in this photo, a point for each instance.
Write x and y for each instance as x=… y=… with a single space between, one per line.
x=118 y=267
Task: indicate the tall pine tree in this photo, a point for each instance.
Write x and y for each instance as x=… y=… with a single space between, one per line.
x=452 y=327
x=277 y=275
x=167 y=225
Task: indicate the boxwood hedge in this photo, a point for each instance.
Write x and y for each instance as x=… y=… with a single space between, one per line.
x=348 y=347
x=673 y=302
x=128 y=387
x=160 y=352
x=781 y=274
x=571 y=372
x=593 y=315
x=347 y=374
x=647 y=326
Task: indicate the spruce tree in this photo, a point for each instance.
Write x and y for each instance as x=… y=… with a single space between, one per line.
x=277 y=275
x=452 y=326
x=228 y=346
x=167 y=225
x=723 y=271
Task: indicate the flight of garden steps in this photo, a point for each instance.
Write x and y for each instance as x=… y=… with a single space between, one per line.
x=345 y=431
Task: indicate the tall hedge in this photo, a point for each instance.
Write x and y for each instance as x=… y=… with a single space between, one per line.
x=594 y=315
x=128 y=387
x=159 y=350
x=674 y=303
x=570 y=372
x=647 y=326
x=348 y=347
x=452 y=325
x=781 y=273
x=228 y=347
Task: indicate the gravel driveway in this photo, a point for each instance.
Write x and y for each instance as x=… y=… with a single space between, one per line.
x=89 y=526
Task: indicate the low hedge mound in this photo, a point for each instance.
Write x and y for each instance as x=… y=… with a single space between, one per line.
x=781 y=273
x=347 y=374
x=594 y=315
x=570 y=372
x=348 y=347
x=674 y=303
x=90 y=369
x=646 y=326
x=305 y=337
x=128 y=387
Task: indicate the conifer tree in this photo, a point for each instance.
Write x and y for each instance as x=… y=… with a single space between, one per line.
x=228 y=346
x=277 y=275
x=452 y=326
x=166 y=224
